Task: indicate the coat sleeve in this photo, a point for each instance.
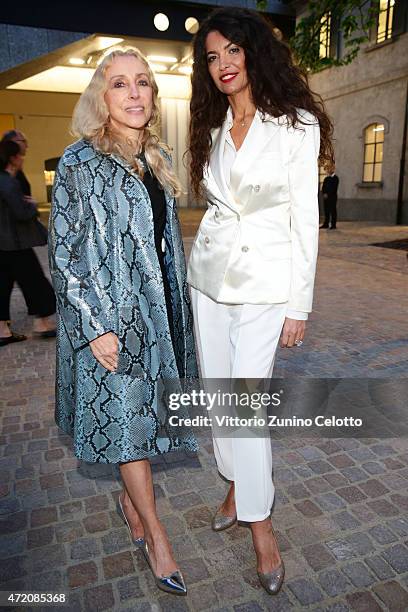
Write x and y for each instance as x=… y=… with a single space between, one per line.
x=19 y=208
x=304 y=212
x=81 y=307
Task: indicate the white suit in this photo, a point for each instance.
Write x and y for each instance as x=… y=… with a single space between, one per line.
x=257 y=242
x=253 y=263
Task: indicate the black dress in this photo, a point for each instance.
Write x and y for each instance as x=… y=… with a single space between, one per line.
x=159 y=208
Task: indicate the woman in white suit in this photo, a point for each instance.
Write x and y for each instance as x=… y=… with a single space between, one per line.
x=257 y=132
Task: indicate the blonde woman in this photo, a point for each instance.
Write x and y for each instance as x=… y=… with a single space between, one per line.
x=118 y=268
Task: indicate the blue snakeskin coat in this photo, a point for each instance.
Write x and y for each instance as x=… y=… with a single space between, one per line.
x=107 y=277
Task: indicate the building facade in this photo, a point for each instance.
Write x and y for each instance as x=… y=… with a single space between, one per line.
x=47 y=57
x=367 y=101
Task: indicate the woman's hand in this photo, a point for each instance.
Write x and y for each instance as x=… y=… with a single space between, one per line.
x=292 y=332
x=105 y=350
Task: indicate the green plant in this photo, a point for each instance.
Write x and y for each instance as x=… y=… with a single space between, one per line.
x=353 y=18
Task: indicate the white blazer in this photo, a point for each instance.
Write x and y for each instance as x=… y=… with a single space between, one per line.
x=257 y=242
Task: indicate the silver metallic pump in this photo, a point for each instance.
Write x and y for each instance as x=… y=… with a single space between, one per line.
x=272 y=581
x=221 y=521
x=174 y=583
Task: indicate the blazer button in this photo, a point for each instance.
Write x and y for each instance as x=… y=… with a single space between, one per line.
x=245 y=249
x=257 y=188
x=206 y=240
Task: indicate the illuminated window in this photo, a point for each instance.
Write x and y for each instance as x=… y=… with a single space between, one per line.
x=49 y=176
x=324 y=36
x=373 y=152
x=384 y=24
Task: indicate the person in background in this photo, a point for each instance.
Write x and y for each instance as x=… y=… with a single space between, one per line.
x=20 y=231
x=329 y=191
x=21 y=140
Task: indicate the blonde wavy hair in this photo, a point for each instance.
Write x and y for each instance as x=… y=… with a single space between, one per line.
x=91 y=122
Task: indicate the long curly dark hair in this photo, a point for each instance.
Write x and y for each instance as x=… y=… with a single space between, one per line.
x=278 y=86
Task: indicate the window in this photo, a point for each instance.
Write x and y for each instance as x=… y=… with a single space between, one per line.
x=49 y=176
x=324 y=36
x=373 y=152
x=384 y=23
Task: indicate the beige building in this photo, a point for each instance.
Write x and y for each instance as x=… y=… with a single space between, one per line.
x=45 y=120
x=41 y=104
x=367 y=101
x=47 y=60
x=43 y=71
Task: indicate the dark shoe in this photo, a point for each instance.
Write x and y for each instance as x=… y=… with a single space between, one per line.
x=11 y=339
x=50 y=333
x=221 y=521
x=324 y=226
x=333 y=227
x=174 y=583
x=139 y=542
x=272 y=581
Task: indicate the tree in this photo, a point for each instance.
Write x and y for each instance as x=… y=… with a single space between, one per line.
x=353 y=18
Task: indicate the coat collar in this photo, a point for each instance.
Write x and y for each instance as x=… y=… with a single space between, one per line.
x=83 y=151
x=257 y=140
x=128 y=167
x=79 y=152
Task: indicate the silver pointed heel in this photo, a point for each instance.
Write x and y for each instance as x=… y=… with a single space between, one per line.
x=221 y=521
x=139 y=542
x=174 y=583
x=272 y=581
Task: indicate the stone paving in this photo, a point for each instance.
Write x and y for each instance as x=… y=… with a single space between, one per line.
x=341 y=509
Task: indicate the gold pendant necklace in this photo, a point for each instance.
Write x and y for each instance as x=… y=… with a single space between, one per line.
x=242 y=123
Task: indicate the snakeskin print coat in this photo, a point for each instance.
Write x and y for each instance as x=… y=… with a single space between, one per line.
x=107 y=277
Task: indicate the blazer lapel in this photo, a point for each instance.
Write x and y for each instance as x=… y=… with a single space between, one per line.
x=256 y=141
x=126 y=166
x=216 y=166
x=212 y=184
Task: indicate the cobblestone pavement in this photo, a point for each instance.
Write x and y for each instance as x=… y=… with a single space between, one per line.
x=341 y=510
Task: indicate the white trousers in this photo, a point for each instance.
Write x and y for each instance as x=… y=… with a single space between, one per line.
x=240 y=341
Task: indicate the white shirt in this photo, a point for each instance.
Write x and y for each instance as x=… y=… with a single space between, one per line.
x=230 y=155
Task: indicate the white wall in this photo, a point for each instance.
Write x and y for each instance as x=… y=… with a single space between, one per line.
x=175 y=120
x=372 y=88
x=45 y=119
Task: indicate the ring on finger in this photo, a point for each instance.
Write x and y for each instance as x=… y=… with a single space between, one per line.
x=298 y=342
